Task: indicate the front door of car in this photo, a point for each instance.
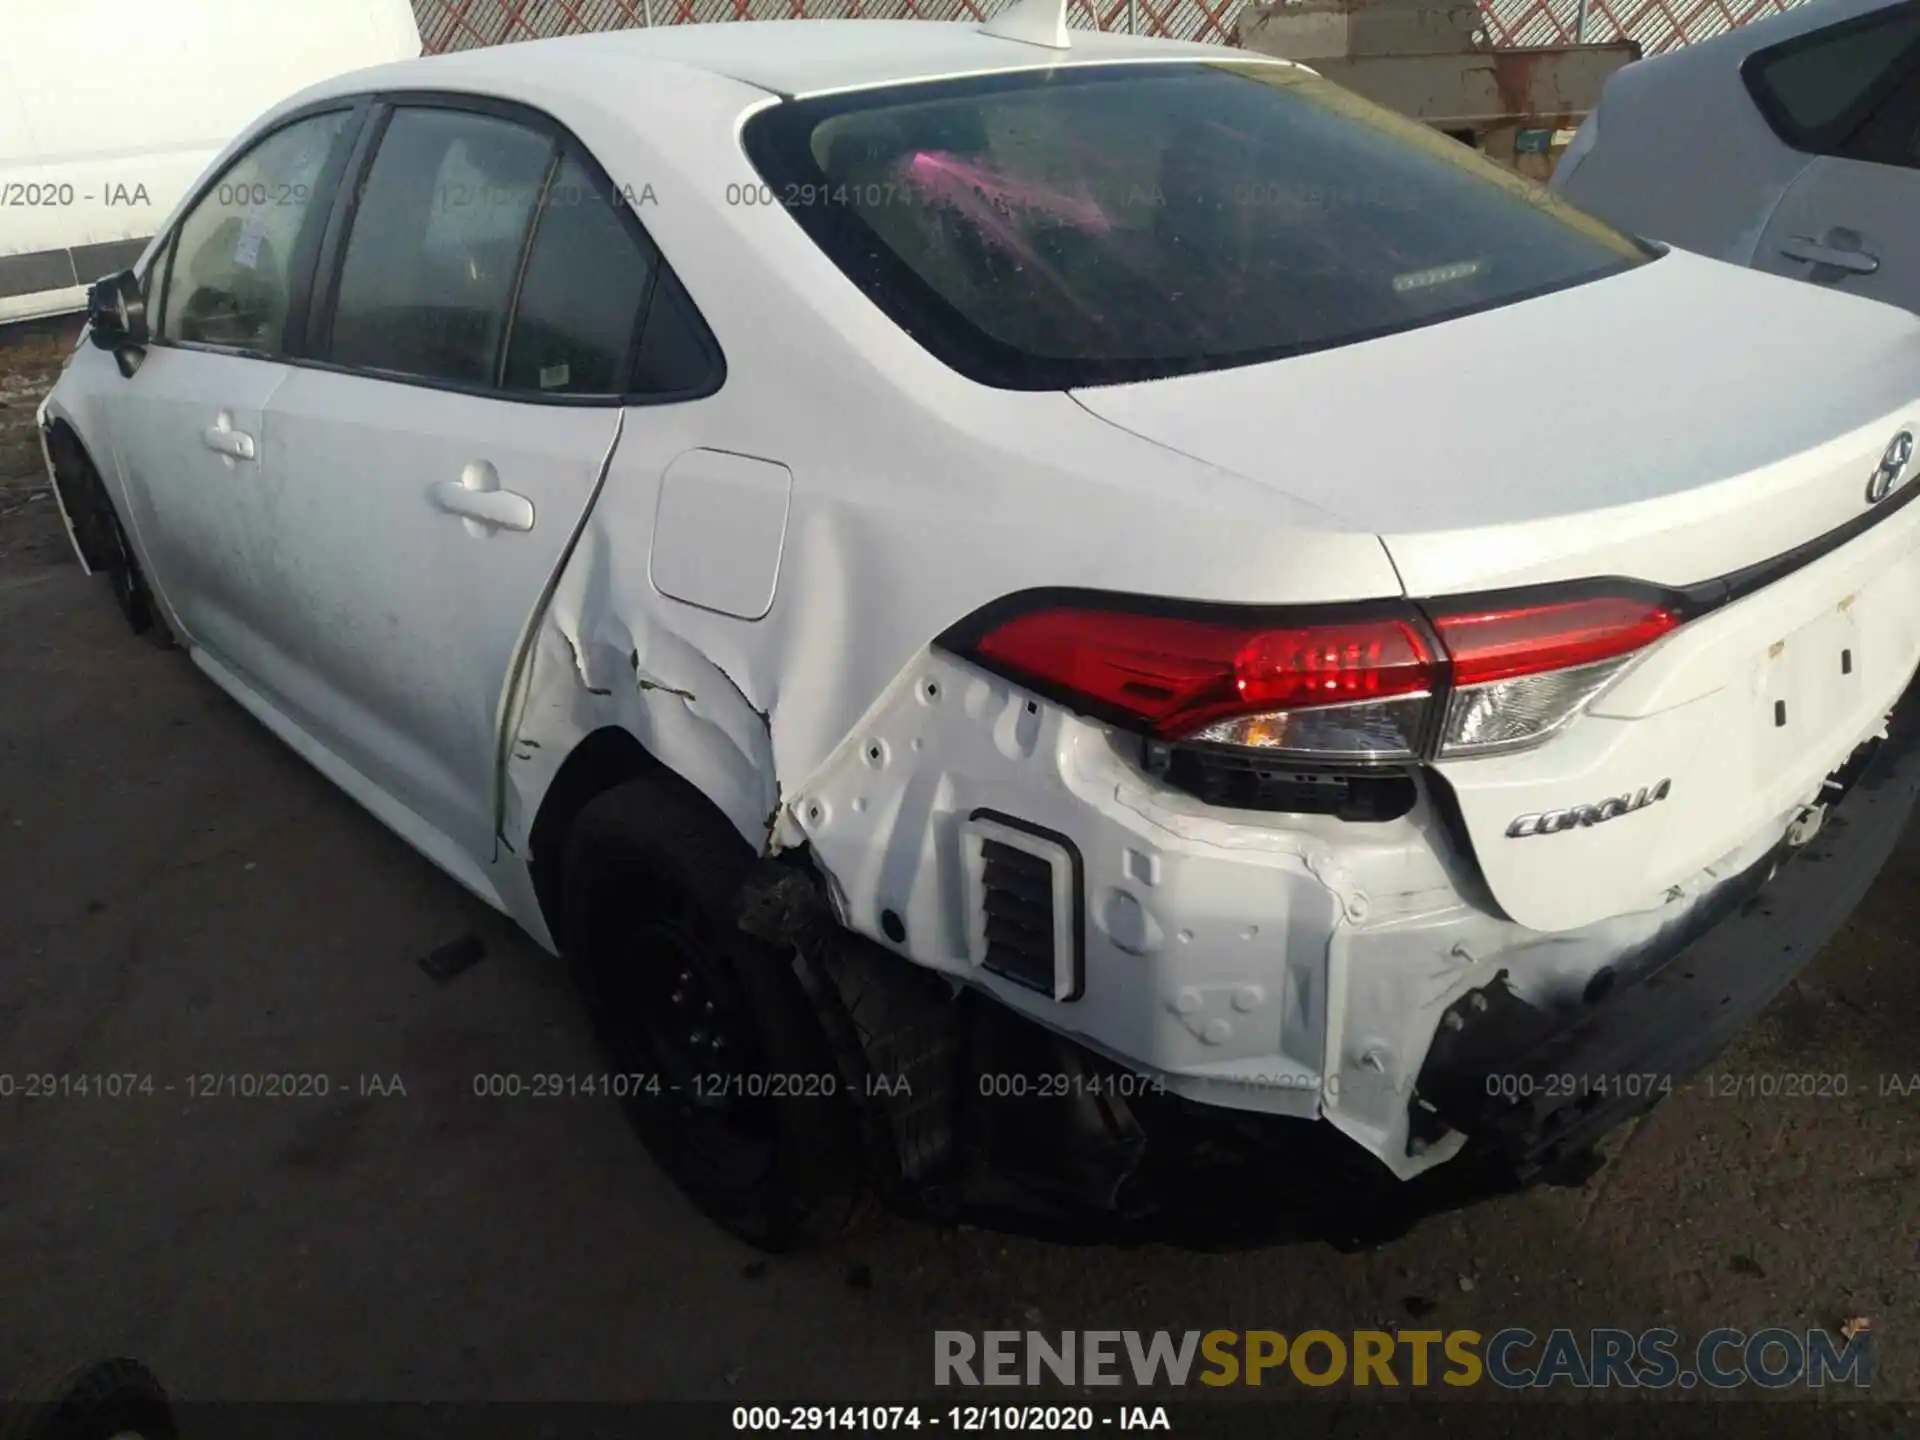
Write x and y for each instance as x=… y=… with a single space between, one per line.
x=188 y=426
x=431 y=470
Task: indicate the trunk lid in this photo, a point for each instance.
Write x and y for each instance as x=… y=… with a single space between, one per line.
x=1675 y=424
x=1678 y=421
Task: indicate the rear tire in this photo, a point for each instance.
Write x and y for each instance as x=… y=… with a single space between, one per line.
x=733 y=1087
x=112 y=1400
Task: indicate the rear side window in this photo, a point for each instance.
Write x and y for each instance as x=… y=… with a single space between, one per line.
x=234 y=256
x=430 y=266
x=1101 y=224
x=1821 y=92
x=678 y=358
x=585 y=290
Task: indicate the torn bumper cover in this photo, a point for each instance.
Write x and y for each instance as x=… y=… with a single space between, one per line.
x=1535 y=1092
x=1106 y=1157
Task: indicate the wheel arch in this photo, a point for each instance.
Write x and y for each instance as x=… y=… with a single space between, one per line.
x=602 y=756
x=604 y=759
x=78 y=487
x=612 y=687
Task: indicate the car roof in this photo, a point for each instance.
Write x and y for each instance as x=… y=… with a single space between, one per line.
x=785 y=57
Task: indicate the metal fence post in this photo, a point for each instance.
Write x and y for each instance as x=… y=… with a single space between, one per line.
x=1580 y=23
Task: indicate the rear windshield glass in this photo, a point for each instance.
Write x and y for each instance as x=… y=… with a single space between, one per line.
x=1098 y=224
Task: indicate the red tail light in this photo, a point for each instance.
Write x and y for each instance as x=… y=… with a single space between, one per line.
x=1356 y=687
x=1500 y=643
x=1179 y=675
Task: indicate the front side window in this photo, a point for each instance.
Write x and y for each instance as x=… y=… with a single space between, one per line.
x=233 y=257
x=1099 y=224
x=1821 y=92
x=428 y=275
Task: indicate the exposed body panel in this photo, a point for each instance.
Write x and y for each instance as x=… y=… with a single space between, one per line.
x=880 y=555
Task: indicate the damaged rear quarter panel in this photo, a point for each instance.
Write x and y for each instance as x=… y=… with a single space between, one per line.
x=887 y=543
x=917 y=496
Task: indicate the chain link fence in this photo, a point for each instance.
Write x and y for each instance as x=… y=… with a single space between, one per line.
x=1657 y=24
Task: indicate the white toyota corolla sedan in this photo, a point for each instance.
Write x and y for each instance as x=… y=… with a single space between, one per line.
x=1084 y=631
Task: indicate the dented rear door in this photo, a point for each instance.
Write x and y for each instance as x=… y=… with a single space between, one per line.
x=429 y=478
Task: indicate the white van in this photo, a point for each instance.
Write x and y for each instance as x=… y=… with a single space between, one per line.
x=110 y=110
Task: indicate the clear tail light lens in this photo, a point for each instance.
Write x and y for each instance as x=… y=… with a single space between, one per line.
x=1521 y=672
x=1354 y=689
x=1371 y=730
x=1510 y=714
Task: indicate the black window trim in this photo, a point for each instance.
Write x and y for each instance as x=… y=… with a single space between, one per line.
x=300 y=267
x=565 y=144
x=317 y=322
x=160 y=270
x=556 y=157
x=1832 y=140
x=314 y=274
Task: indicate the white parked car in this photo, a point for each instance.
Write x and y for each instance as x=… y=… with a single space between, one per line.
x=1791 y=145
x=1013 y=606
x=93 y=157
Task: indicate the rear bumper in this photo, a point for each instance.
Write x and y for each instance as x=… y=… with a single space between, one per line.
x=1097 y=1155
x=1535 y=1092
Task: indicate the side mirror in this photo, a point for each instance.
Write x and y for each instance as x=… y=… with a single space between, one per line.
x=117 y=311
x=117 y=319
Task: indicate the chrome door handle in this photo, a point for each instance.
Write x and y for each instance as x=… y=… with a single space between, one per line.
x=1814 y=252
x=482 y=507
x=225 y=440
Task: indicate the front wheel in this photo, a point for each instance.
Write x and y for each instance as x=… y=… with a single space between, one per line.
x=130 y=590
x=102 y=535
x=725 y=1071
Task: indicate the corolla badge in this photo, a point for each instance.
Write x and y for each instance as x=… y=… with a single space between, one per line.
x=1552 y=822
x=1893 y=465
